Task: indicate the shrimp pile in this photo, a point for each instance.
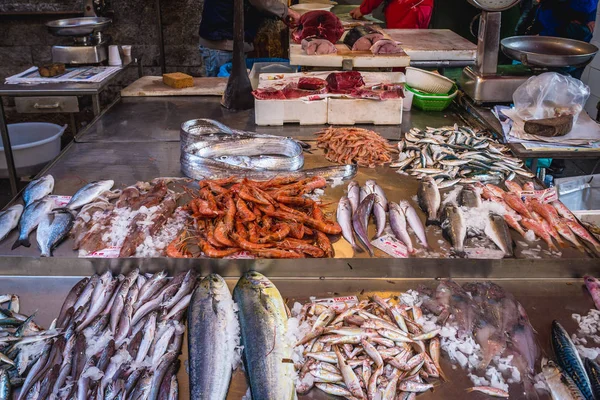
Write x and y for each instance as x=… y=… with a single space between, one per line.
x=355 y=145
x=270 y=219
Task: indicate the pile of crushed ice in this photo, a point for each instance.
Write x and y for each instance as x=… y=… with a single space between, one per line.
x=587 y=336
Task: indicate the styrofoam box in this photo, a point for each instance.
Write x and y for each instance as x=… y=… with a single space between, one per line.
x=362 y=111
x=278 y=112
x=328 y=110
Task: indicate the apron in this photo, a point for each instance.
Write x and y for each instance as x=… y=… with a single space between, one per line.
x=408 y=14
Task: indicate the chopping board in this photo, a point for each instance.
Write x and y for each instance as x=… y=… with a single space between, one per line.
x=154 y=86
x=433 y=44
x=360 y=59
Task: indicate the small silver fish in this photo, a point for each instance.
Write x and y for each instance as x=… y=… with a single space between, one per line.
x=398 y=225
x=38 y=188
x=9 y=219
x=454 y=227
x=354 y=195
x=344 y=218
x=89 y=193
x=429 y=199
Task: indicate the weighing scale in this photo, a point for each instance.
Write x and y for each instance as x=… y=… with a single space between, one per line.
x=88 y=44
x=485 y=83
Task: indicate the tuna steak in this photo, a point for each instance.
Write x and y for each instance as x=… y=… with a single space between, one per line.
x=321 y=24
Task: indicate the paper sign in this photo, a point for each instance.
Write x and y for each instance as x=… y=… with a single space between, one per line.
x=390 y=245
x=109 y=252
x=60 y=201
x=338 y=304
x=545 y=196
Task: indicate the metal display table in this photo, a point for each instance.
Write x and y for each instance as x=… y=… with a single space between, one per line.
x=53 y=89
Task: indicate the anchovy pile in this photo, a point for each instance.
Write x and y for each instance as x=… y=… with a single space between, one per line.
x=456 y=154
x=21 y=344
x=375 y=349
x=121 y=339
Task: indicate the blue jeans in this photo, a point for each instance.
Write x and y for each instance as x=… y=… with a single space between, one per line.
x=213 y=59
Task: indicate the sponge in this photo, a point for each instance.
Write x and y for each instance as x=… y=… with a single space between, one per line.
x=178 y=80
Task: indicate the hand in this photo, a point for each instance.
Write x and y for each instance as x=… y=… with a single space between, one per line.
x=356 y=14
x=293 y=18
x=591 y=25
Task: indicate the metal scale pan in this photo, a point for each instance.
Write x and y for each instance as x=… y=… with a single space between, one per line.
x=549 y=52
x=78 y=26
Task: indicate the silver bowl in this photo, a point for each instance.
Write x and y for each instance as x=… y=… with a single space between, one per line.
x=547 y=51
x=78 y=26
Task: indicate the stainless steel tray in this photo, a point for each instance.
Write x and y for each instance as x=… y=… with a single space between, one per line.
x=544 y=300
x=545 y=51
x=78 y=26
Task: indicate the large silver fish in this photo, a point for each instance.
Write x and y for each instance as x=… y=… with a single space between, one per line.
x=213 y=336
x=263 y=323
x=344 y=218
x=429 y=200
x=89 y=193
x=9 y=219
x=497 y=230
x=38 y=188
x=360 y=221
x=414 y=221
x=561 y=386
x=470 y=197
x=53 y=229
x=398 y=225
x=354 y=195
x=31 y=218
x=379 y=207
x=454 y=227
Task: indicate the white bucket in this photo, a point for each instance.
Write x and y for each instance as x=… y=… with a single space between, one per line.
x=34 y=145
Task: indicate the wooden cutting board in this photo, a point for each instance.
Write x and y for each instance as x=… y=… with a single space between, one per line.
x=153 y=86
x=360 y=59
x=433 y=44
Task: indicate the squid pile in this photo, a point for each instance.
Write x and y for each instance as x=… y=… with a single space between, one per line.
x=266 y=219
x=372 y=349
x=355 y=145
x=452 y=155
x=121 y=338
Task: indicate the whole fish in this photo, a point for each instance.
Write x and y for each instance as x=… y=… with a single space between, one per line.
x=379 y=212
x=5 y=387
x=9 y=219
x=454 y=227
x=561 y=386
x=514 y=202
x=76 y=290
x=398 y=225
x=539 y=230
x=360 y=221
x=89 y=193
x=429 y=200
x=53 y=229
x=213 y=336
x=593 y=372
x=344 y=218
x=593 y=286
x=513 y=187
x=497 y=230
x=583 y=234
x=469 y=197
x=38 y=189
x=414 y=221
x=354 y=195
x=263 y=323
x=569 y=360
x=379 y=191
x=32 y=216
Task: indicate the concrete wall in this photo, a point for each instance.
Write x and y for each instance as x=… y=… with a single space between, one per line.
x=24 y=40
x=591 y=75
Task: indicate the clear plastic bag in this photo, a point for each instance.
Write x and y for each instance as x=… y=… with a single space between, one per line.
x=550 y=95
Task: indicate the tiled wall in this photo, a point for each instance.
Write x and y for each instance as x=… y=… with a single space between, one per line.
x=591 y=76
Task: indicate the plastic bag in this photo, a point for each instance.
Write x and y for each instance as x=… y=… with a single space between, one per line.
x=550 y=95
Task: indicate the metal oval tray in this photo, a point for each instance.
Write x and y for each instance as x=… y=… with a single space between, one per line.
x=78 y=26
x=546 y=51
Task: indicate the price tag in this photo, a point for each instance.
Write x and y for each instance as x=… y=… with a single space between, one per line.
x=544 y=196
x=390 y=245
x=109 y=252
x=60 y=201
x=338 y=304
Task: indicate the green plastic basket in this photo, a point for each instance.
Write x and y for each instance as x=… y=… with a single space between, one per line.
x=432 y=102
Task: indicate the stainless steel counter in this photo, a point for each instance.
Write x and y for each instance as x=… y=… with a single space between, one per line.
x=150 y=119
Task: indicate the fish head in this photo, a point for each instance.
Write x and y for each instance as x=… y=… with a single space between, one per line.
x=214 y=283
x=591 y=282
x=243 y=161
x=352 y=184
x=257 y=279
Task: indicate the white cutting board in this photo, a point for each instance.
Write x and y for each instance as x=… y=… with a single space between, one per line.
x=433 y=44
x=154 y=86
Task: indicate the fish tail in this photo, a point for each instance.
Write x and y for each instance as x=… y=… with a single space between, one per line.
x=21 y=242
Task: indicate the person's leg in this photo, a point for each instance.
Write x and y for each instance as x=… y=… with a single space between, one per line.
x=214 y=59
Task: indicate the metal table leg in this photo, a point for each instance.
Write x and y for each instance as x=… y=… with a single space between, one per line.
x=96 y=104
x=10 y=162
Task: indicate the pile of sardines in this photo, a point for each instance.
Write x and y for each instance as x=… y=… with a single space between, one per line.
x=452 y=155
x=120 y=338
